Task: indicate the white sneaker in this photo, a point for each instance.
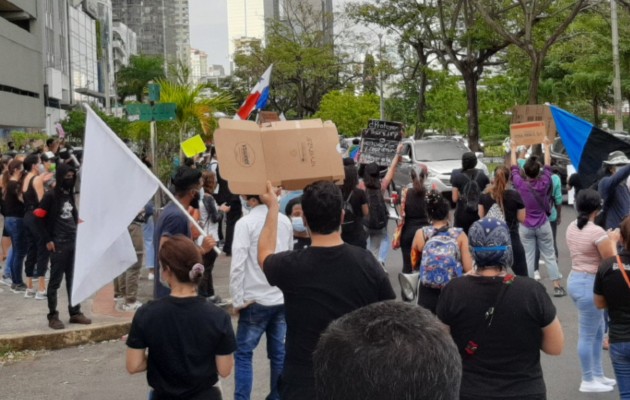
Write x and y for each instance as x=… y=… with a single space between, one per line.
x=131 y=307
x=594 y=387
x=605 y=381
x=537 y=275
x=41 y=295
x=151 y=276
x=29 y=293
x=6 y=281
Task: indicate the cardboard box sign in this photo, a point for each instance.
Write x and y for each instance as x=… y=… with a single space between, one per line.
x=291 y=154
x=531 y=113
x=528 y=133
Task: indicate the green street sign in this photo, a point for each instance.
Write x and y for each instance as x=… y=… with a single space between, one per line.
x=144 y=112
x=154 y=92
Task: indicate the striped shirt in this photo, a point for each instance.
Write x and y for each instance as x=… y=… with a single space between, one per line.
x=582 y=244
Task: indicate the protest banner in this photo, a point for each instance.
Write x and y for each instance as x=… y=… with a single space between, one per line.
x=528 y=133
x=379 y=142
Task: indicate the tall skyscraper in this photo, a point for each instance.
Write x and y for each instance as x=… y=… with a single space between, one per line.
x=162 y=26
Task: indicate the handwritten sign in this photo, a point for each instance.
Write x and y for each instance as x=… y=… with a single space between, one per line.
x=528 y=133
x=379 y=142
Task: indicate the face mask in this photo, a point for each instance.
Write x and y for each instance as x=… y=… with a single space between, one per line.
x=67 y=184
x=194 y=203
x=162 y=281
x=245 y=204
x=41 y=168
x=298 y=224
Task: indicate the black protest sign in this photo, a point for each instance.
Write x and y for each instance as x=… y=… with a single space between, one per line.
x=380 y=141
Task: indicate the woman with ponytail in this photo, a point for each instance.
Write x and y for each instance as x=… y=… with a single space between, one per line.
x=190 y=341
x=588 y=245
x=414 y=213
x=14 y=221
x=500 y=201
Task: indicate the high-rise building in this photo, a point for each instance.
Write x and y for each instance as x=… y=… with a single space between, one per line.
x=124 y=44
x=198 y=65
x=162 y=26
x=22 y=24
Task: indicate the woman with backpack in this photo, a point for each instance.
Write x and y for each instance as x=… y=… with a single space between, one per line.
x=501 y=202
x=499 y=322
x=588 y=245
x=468 y=184
x=444 y=250
x=355 y=207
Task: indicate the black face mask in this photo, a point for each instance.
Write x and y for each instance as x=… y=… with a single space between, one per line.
x=194 y=203
x=67 y=184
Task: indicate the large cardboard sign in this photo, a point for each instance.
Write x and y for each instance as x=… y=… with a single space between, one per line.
x=531 y=113
x=379 y=142
x=291 y=154
x=528 y=133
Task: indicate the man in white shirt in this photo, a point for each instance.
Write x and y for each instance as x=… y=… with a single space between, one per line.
x=260 y=305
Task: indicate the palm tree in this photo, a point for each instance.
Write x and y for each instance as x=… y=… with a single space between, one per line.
x=133 y=79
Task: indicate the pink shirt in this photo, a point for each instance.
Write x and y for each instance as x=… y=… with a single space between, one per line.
x=582 y=244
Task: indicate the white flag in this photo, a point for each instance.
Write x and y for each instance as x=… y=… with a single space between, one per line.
x=115 y=186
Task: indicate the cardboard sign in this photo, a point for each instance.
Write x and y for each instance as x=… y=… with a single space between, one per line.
x=291 y=154
x=531 y=113
x=193 y=146
x=379 y=142
x=528 y=133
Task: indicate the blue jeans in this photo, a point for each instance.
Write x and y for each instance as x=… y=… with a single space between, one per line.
x=385 y=246
x=147 y=233
x=591 y=324
x=376 y=236
x=541 y=237
x=253 y=321
x=15 y=229
x=620 y=357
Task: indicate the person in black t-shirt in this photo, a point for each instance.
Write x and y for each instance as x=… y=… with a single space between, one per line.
x=612 y=291
x=459 y=178
x=500 y=334
x=352 y=229
x=189 y=341
x=320 y=283
x=56 y=222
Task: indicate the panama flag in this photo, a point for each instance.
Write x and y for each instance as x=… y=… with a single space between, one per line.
x=257 y=98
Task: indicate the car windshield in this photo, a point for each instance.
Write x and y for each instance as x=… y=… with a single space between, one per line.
x=439 y=150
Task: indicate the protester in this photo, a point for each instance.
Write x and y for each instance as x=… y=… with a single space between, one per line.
x=612 y=286
x=182 y=341
x=554 y=217
x=126 y=284
x=225 y=196
x=575 y=182
x=387 y=351
x=413 y=212
x=468 y=184
x=173 y=221
x=56 y=219
x=320 y=283
x=501 y=202
x=37 y=255
x=293 y=210
x=260 y=306
x=500 y=334
x=613 y=190
x=536 y=231
x=355 y=207
x=13 y=210
x=444 y=251
x=588 y=244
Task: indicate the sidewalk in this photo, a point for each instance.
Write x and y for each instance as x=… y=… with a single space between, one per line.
x=24 y=324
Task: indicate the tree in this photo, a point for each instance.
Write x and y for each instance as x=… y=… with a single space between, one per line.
x=349 y=112
x=369 y=74
x=447 y=105
x=133 y=79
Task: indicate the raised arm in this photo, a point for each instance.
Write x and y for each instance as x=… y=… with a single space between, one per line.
x=547 y=144
x=269 y=234
x=392 y=168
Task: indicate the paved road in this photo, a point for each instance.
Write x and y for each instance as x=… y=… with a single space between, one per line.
x=97 y=371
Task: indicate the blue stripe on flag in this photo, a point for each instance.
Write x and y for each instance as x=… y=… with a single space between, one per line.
x=574 y=133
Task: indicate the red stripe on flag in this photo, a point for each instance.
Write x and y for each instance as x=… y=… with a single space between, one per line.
x=248 y=106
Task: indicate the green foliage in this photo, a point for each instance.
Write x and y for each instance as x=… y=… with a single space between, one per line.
x=446 y=113
x=369 y=74
x=133 y=79
x=21 y=139
x=349 y=112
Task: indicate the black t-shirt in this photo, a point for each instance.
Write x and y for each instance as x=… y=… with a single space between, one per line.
x=609 y=282
x=415 y=209
x=576 y=183
x=320 y=284
x=512 y=203
x=183 y=336
x=65 y=225
x=13 y=206
x=463 y=218
x=354 y=233
x=172 y=221
x=507 y=363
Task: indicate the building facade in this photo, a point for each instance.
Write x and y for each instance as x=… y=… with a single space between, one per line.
x=124 y=44
x=198 y=65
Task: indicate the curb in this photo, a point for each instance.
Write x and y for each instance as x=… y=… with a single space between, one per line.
x=68 y=337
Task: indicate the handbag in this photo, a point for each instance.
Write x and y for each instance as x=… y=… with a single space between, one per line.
x=401 y=223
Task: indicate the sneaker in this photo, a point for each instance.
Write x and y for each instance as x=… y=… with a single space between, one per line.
x=217 y=301
x=29 y=293
x=55 y=323
x=21 y=288
x=559 y=291
x=537 y=275
x=151 y=276
x=131 y=307
x=594 y=387
x=41 y=295
x=6 y=281
x=80 y=319
x=605 y=381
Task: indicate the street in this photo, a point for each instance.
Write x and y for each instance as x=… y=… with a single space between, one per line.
x=97 y=371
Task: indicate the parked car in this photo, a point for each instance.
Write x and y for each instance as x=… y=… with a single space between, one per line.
x=440 y=155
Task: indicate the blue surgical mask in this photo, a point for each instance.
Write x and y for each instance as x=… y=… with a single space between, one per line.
x=245 y=204
x=298 y=224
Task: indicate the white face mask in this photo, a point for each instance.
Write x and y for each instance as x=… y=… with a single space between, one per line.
x=245 y=204
x=41 y=168
x=162 y=281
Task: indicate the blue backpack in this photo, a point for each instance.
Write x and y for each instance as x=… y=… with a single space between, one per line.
x=441 y=258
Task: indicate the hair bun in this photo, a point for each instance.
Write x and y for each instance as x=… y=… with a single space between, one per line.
x=196 y=271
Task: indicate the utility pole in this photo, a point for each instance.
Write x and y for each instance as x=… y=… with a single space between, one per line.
x=617 y=77
x=380 y=74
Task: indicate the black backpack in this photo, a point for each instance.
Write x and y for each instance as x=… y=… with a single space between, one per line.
x=348 y=217
x=471 y=193
x=378 y=216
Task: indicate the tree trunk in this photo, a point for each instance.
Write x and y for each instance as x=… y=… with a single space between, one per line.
x=470 y=81
x=422 y=102
x=534 y=82
x=595 y=104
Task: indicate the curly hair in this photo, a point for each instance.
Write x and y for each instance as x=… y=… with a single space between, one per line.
x=437 y=206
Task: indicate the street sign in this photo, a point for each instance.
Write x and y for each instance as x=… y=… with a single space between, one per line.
x=144 y=112
x=164 y=111
x=154 y=92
